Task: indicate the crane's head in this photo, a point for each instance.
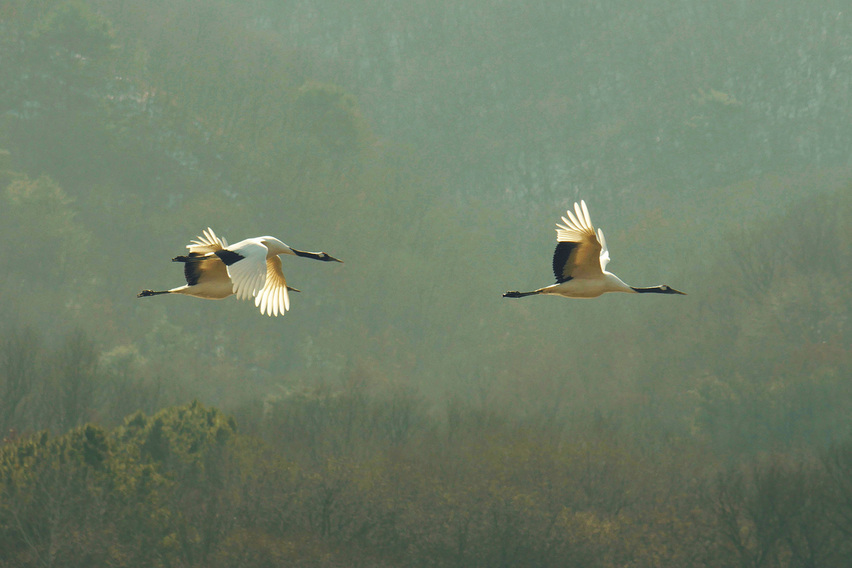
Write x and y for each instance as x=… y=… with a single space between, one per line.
x=666 y=289
x=325 y=257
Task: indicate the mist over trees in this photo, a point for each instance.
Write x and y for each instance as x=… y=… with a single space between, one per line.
x=403 y=413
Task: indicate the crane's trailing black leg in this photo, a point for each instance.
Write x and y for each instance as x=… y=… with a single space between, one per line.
x=516 y=294
x=145 y=293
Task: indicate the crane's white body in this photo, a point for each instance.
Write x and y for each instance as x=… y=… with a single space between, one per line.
x=250 y=268
x=586 y=288
x=580 y=260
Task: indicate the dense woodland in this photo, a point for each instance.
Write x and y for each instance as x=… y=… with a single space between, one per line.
x=403 y=413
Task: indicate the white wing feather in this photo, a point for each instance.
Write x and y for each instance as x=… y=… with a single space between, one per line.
x=207 y=243
x=604 y=250
x=248 y=274
x=576 y=227
x=273 y=299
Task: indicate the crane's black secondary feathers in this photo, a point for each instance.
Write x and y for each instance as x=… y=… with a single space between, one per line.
x=229 y=257
x=561 y=256
x=192 y=271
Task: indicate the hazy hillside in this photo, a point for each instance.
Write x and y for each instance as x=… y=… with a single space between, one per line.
x=421 y=418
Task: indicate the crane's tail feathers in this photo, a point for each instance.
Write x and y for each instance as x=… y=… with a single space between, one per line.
x=516 y=294
x=146 y=293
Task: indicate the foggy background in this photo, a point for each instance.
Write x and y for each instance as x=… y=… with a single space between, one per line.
x=432 y=146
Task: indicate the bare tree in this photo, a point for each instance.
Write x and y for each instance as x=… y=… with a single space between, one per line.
x=19 y=357
x=75 y=373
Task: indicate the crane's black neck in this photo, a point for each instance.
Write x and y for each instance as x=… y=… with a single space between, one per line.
x=656 y=290
x=325 y=257
x=306 y=254
x=650 y=290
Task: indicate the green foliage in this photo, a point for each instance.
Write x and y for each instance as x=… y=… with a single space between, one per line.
x=181 y=487
x=186 y=433
x=100 y=496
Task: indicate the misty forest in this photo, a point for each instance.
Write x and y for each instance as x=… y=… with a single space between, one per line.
x=404 y=413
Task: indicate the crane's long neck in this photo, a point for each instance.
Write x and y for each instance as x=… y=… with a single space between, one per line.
x=323 y=256
x=275 y=246
x=613 y=283
x=650 y=290
x=306 y=254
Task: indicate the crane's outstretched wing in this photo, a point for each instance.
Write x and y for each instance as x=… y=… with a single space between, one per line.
x=273 y=298
x=578 y=252
x=246 y=263
x=604 y=250
x=207 y=243
x=205 y=267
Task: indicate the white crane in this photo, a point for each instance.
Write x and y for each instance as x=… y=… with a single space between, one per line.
x=579 y=262
x=250 y=268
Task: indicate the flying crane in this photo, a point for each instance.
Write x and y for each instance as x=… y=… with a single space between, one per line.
x=579 y=263
x=250 y=268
